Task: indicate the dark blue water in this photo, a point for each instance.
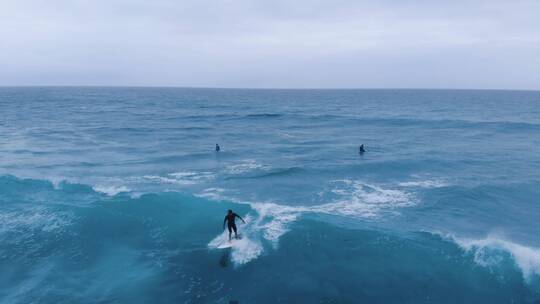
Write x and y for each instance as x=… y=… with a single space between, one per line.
x=116 y=195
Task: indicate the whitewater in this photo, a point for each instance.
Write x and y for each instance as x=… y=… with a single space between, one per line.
x=116 y=195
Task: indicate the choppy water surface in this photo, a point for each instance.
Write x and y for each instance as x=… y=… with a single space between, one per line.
x=115 y=195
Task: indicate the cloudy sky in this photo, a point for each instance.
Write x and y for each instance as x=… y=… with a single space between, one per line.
x=272 y=43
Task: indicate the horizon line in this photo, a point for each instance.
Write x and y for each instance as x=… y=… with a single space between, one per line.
x=263 y=88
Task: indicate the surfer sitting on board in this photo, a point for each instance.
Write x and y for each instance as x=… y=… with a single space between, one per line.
x=361 y=149
x=229 y=218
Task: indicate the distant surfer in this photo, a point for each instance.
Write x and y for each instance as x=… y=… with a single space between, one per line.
x=229 y=219
x=217 y=148
x=361 y=150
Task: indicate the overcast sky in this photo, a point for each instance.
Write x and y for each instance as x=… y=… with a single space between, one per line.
x=274 y=43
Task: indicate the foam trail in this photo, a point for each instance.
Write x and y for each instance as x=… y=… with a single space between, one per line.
x=245 y=249
x=356 y=200
x=273 y=219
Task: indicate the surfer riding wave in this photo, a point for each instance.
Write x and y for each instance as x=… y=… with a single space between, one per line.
x=231 y=225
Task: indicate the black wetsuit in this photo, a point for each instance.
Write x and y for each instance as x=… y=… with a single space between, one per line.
x=231 y=225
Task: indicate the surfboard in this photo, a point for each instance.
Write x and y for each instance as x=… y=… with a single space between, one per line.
x=226 y=244
x=229 y=244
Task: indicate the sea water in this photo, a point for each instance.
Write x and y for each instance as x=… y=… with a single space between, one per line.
x=116 y=195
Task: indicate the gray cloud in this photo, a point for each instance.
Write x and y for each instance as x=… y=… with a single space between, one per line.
x=342 y=43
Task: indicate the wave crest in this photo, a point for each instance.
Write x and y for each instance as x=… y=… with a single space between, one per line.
x=491 y=251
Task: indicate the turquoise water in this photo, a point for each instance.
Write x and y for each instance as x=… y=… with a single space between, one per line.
x=115 y=195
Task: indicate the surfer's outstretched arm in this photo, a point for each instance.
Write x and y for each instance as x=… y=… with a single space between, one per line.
x=224 y=221
x=238 y=216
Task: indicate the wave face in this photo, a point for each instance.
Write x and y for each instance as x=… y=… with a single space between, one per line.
x=72 y=244
x=111 y=195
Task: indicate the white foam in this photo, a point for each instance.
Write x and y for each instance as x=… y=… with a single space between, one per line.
x=244 y=250
x=272 y=220
x=265 y=211
x=487 y=252
x=269 y=224
x=424 y=184
x=35 y=218
x=212 y=193
x=182 y=178
x=161 y=179
x=361 y=200
x=110 y=190
x=192 y=176
x=245 y=166
x=56 y=182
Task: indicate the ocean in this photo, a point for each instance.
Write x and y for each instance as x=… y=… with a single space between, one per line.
x=116 y=195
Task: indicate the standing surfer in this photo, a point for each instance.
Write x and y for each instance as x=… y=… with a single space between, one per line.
x=217 y=148
x=231 y=225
